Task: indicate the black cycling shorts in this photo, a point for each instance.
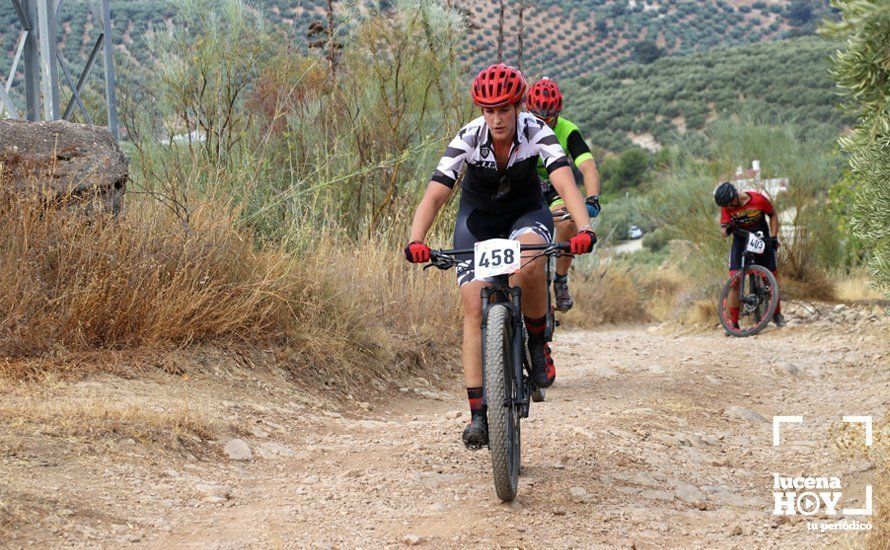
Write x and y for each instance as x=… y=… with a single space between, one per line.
x=550 y=194
x=474 y=225
x=767 y=259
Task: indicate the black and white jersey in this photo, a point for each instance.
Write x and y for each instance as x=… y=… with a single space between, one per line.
x=518 y=187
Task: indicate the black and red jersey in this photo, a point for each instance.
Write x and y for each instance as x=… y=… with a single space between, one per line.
x=750 y=216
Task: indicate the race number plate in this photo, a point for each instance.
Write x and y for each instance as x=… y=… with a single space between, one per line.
x=755 y=244
x=496 y=257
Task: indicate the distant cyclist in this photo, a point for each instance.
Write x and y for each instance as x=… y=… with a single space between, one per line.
x=500 y=198
x=742 y=213
x=545 y=102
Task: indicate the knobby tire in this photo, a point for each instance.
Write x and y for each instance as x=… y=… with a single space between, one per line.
x=766 y=316
x=503 y=420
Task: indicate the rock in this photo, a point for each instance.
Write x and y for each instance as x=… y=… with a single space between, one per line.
x=237 y=449
x=272 y=450
x=451 y=415
x=859 y=466
x=559 y=512
x=432 y=479
x=745 y=414
x=256 y=431
x=579 y=495
x=668 y=440
x=657 y=495
x=429 y=394
x=412 y=540
x=77 y=164
x=310 y=479
x=690 y=494
x=723 y=496
x=790 y=368
x=214 y=490
x=735 y=531
x=838 y=308
x=371 y=424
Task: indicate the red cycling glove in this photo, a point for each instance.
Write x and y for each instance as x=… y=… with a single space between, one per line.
x=417 y=253
x=583 y=242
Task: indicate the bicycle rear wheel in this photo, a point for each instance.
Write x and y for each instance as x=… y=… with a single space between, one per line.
x=756 y=307
x=500 y=390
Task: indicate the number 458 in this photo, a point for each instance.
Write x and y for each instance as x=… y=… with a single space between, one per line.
x=496 y=258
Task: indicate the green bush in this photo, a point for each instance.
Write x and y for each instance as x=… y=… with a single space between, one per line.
x=656 y=240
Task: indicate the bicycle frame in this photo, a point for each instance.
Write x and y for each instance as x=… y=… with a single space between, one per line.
x=501 y=292
x=746 y=260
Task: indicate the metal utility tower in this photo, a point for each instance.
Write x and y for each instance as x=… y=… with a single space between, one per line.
x=43 y=61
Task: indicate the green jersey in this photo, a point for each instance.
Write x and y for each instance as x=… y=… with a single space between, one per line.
x=572 y=143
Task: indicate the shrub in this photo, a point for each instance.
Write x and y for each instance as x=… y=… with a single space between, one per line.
x=656 y=240
x=80 y=283
x=605 y=294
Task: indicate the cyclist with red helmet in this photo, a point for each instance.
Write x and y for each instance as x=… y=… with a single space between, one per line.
x=545 y=102
x=741 y=213
x=501 y=198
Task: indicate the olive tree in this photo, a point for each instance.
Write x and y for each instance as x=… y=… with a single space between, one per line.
x=861 y=70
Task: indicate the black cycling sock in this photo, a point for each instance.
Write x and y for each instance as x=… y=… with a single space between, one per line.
x=477 y=406
x=536 y=327
x=561 y=278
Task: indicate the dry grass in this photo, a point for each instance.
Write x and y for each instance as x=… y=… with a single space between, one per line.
x=849 y=440
x=807 y=285
x=879 y=537
x=169 y=427
x=702 y=312
x=73 y=283
x=605 y=294
x=859 y=287
x=398 y=316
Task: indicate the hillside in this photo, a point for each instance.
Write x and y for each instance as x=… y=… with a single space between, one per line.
x=645 y=69
x=579 y=37
x=648 y=104
x=570 y=37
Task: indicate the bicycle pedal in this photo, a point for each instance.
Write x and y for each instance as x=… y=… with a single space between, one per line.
x=556 y=322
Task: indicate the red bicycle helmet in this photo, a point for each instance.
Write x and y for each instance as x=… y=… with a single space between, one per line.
x=498 y=85
x=545 y=99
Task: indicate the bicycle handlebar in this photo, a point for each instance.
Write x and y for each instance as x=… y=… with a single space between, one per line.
x=445 y=258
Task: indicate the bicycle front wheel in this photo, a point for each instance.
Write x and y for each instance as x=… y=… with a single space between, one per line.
x=757 y=304
x=500 y=391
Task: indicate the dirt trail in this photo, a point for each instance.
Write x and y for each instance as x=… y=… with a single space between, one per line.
x=648 y=439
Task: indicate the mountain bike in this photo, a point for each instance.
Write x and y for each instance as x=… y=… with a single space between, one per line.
x=506 y=362
x=757 y=289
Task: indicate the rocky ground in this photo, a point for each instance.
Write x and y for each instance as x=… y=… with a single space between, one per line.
x=650 y=438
